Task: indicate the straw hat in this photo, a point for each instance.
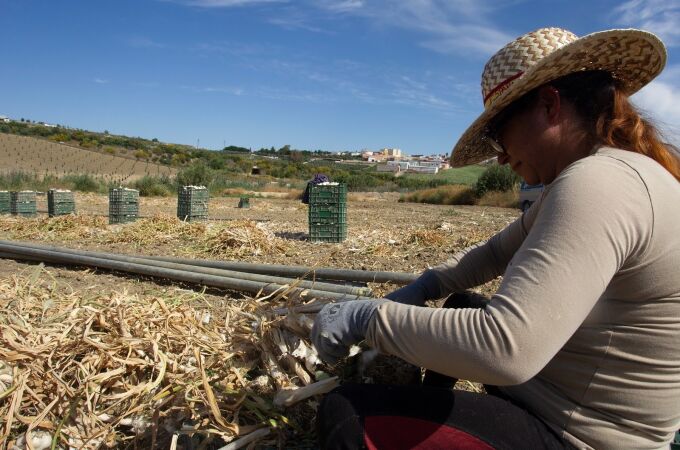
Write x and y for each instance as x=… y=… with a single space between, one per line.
x=634 y=58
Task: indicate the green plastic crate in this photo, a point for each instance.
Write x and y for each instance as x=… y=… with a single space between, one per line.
x=327 y=232
x=123 y=195
x=23 y=204
x=192 y=203
x=122 y=218
x=244 y=202
x=60 y=202
x=189 y=193
x=327 y=213
x=123 y=205
x=5 y=202
x=328 y=194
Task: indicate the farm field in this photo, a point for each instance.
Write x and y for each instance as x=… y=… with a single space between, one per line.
x=42 y=157
x=140 y=359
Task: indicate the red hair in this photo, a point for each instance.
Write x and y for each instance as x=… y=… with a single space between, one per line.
x=610 y=119
x=626 y=129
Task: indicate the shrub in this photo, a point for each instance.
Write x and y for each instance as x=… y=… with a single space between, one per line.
x=141 y=154
x=17 y=180
x=445 y=195
x=507 y=199
x=496 y=178
x=197 y=174
x=154 y=186
x=84 y=183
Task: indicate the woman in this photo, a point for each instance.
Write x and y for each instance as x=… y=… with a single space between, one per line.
x=581 y=343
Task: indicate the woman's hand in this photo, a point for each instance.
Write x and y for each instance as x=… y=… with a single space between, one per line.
x=338 y=326
x=425 y=287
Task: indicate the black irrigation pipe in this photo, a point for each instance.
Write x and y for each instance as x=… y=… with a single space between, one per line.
x=253 y=287
x=299 y=271
x=225 y=219
x=206 y=270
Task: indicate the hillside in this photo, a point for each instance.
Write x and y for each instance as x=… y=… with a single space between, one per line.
x=42 y=157
x=36 y=156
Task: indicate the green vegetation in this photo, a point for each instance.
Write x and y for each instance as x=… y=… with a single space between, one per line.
x=83 y=183
x=496 y=178
x=231 y=167
x=444 y=195
x=467 y=175
x=19 y=181
x=149 y=186
x=496 y=186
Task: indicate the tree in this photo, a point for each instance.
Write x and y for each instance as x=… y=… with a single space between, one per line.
x=197 y=174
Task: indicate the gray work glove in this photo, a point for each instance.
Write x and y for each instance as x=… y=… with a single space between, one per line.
x=338 y=326
x=425 y=287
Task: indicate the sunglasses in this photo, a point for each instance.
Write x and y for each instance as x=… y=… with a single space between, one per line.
x=493 y=143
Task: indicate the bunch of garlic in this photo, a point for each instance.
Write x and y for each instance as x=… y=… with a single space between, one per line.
x=6 y=376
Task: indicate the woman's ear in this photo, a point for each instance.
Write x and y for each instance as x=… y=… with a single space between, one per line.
x=549 y=101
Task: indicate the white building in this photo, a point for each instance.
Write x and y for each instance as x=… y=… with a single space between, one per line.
x=423 y=169
x=403 y=165
x=393 y=152
x=387 y=168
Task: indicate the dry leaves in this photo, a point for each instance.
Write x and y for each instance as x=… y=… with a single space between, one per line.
x=119 y=370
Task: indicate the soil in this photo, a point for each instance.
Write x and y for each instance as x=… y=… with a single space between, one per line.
x=383 y=234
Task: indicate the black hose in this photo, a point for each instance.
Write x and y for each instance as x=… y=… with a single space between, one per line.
x=324 y=273
x=253 y=287
x=329 y=287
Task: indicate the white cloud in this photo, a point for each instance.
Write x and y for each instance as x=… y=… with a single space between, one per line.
x=660 y=99
x=469 y=39
x=143 y=42
x=454 y=26
x=658 y=16
x=449 y=26
x=223 y=3
x=216 y=89
x=296 y=22
x=342 y=5
x=100 y=81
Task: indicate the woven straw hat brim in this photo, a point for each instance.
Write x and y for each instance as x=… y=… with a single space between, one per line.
x=634 y=58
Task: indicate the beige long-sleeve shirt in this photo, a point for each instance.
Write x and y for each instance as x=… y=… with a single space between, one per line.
x=585 y=327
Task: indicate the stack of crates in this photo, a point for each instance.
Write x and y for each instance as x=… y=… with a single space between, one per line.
x=328 y=212
x=123 y=205
x=22 y=203
x=244 y=202
x=192 y=203
x=60 y=202
x=5 y=201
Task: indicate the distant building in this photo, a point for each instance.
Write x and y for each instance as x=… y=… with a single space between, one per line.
x=417 y=168
x=393 y=152
x=403 y=165
x=5 y=119
x=388 y=168
x=375 y=158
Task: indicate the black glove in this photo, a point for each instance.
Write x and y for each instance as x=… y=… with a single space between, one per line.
x=425 y=287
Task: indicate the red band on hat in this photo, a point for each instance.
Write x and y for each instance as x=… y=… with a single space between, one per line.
x=501 y=86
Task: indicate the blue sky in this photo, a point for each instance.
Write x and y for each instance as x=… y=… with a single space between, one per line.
x=314 y=74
